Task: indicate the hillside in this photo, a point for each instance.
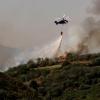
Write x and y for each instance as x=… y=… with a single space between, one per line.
x=13 y=89
x=70 y=80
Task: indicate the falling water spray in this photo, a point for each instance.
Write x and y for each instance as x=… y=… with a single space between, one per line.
x=58 y=52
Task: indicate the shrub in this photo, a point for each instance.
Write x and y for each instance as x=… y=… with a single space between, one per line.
x=31 y=64
x=96 y=62
x=42 y=91
x=65 y=63
x=55 y=92
x=33 y=84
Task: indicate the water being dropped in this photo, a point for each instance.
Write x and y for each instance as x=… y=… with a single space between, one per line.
x=50 y=50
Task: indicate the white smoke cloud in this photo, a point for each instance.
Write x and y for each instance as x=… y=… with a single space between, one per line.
x=95 y=7
x=74 y=37
x=87 y=35
x=50 y=51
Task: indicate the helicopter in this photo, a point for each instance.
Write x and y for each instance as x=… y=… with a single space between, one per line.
x=62 y=21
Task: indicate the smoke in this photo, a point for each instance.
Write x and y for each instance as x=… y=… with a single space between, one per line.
x=92 y=27
x=86 y=37
x=50 y=50
x=74 y=38
x=95 y=8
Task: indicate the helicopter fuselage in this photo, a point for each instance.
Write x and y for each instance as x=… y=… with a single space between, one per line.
x=61 y=22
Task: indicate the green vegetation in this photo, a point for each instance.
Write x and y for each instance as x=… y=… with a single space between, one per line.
x=77 y=78
x=13 y=89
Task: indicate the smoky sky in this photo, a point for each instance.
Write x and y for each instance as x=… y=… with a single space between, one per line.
x=95 y=7
x=29 y=23
x=91 y=25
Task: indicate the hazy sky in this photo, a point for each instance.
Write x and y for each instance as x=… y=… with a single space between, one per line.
x=29 y=23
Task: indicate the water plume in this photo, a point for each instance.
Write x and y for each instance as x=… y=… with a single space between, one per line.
x=50 y=50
